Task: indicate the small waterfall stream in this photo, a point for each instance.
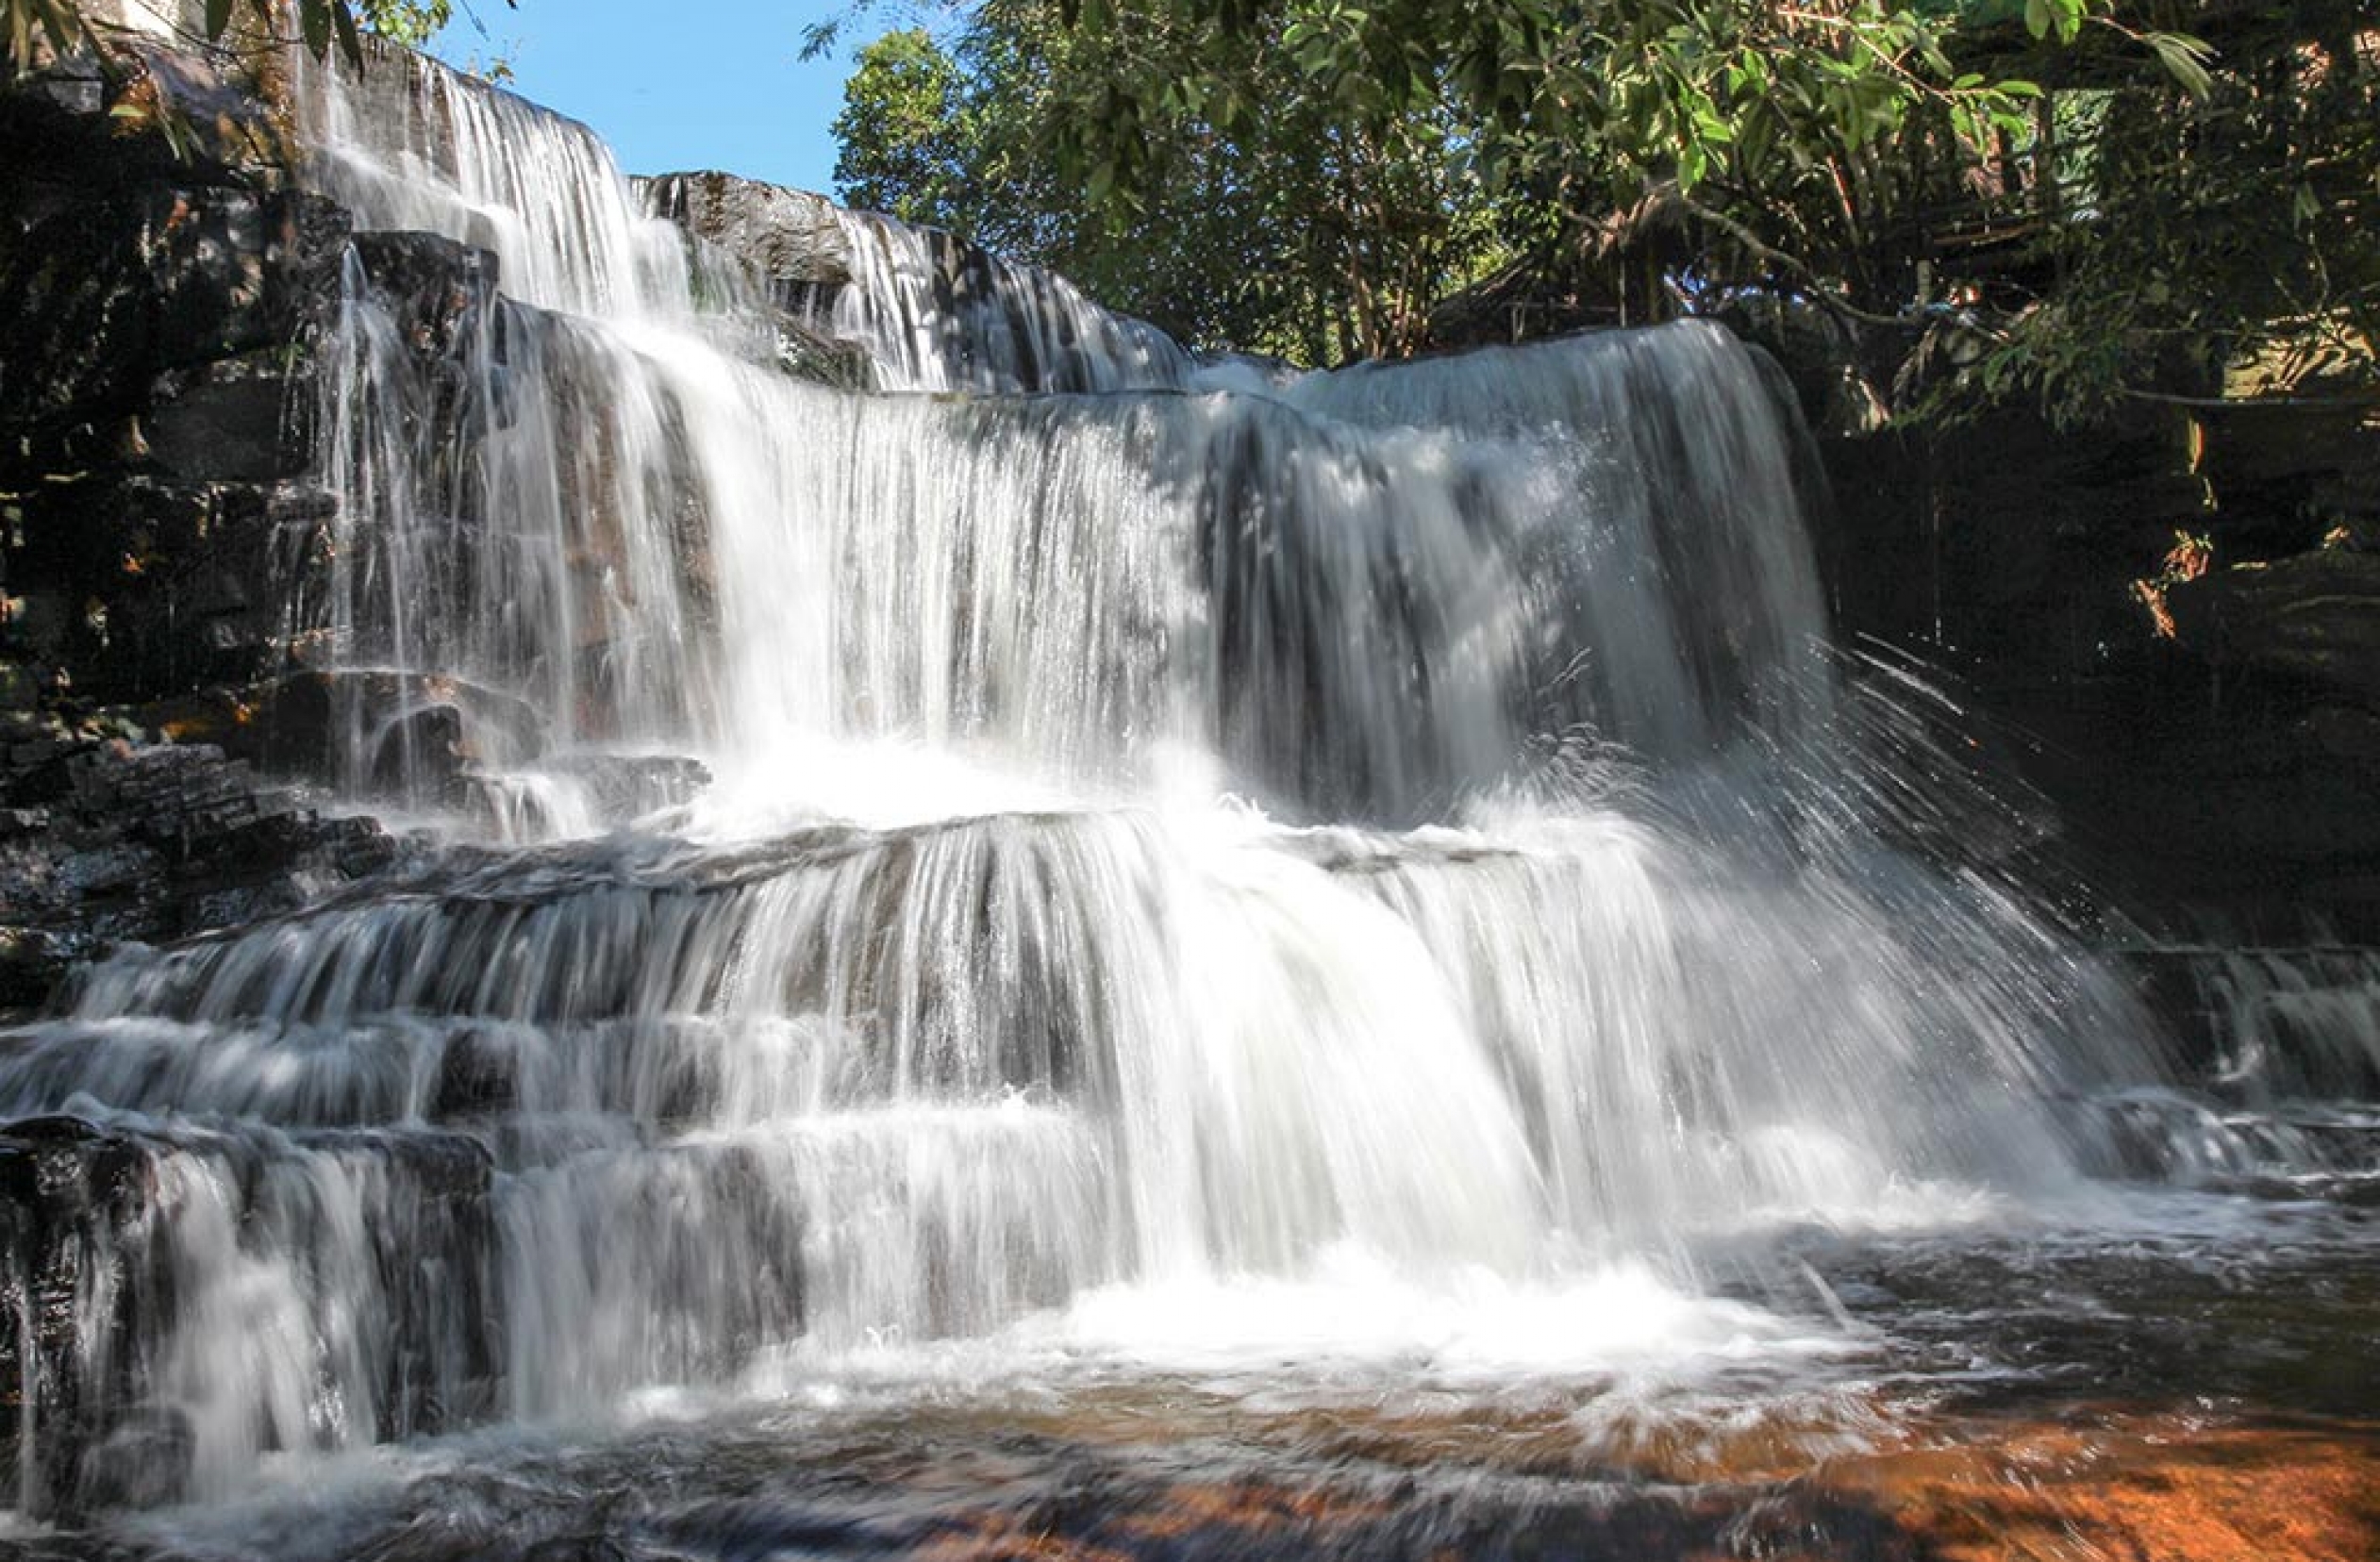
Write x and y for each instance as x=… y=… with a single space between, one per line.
x=927 y=867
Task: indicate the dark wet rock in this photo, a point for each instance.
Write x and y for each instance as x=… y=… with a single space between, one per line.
x=183 y=566
x=160 y=310
x=2313 y=618
x=135 y=586
x=577 y=1548
x=68 y=1190
x=85 y=1221
x=2231 y=766
x=430 y=284
x=214 y=112
x=243 y=420
x=160 y=299
x=143 y=1460
x=427 y=728
x=2258 y=1022
x=810 y=355
x=623 y=786
x=105 y=840
x=477 y=1076
x=360 y=729
x=106 y=288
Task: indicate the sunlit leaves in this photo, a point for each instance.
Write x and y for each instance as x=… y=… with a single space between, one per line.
x=902 y=131
x=2064 y=17
x=1355 y=158
x=31 y=23
x=2184 y=58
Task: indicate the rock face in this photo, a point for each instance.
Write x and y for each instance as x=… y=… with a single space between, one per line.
x=156 y=401
x=789 y=236
x=2212 y=740
x=2311 y=618
x=170 y=539
x=162 y=322
x=928 y=308
x=159 y=319
x=790 y=240
x=96 y=1218
x=103 y=839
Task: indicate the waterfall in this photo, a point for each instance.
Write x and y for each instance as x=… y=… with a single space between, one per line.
x=938 y=314
x=2288 y=1022
x=914 y=862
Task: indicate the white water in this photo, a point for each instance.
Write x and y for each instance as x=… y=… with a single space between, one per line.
x=2303 y=1023
x=1375 y=867
x=937 y=314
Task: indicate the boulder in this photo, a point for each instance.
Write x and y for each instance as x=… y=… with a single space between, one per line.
x=248 y=419
x=2312 y=618
x=791 y=241
x=430 y=285
x=160 y=293
x=69 y=1192
x=134 y=585
x=108 y=287
x=788 y=236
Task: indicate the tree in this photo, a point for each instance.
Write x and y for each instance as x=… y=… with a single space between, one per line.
x=2115 y=208
x=905 y=133
x=1289 y=232
x=2213 y=238
x=1347 y=167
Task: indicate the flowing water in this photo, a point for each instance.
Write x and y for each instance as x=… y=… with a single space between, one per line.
x=1140 y=960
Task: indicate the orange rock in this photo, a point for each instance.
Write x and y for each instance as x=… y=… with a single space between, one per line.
x=2133 y=1488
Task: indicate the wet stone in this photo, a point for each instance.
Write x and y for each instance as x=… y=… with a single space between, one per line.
x=432 y=285
x=103 y=839
x=89 y=1214
x=239 y=420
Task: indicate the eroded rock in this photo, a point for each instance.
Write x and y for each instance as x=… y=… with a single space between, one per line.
x=103 y=839
x=2313 y=618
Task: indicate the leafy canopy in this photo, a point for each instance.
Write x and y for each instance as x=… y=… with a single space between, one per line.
x=2107 y=206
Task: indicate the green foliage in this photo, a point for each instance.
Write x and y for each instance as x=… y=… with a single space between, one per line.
x=905 y=133
x=413 y=22
x=1582 y=102
x=1254 y=214
x=27 y=24
x=2221 y=237
x=2118 y=207
x=1343 y=167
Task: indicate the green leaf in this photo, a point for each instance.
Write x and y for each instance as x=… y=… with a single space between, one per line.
x=2037 y=17
x=218 y=17
x=2184 y=58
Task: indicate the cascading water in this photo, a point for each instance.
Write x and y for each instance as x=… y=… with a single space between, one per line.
x=936 y=314
x=1161 y=840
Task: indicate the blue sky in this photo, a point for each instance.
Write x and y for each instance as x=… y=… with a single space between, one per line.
x=680 y=84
